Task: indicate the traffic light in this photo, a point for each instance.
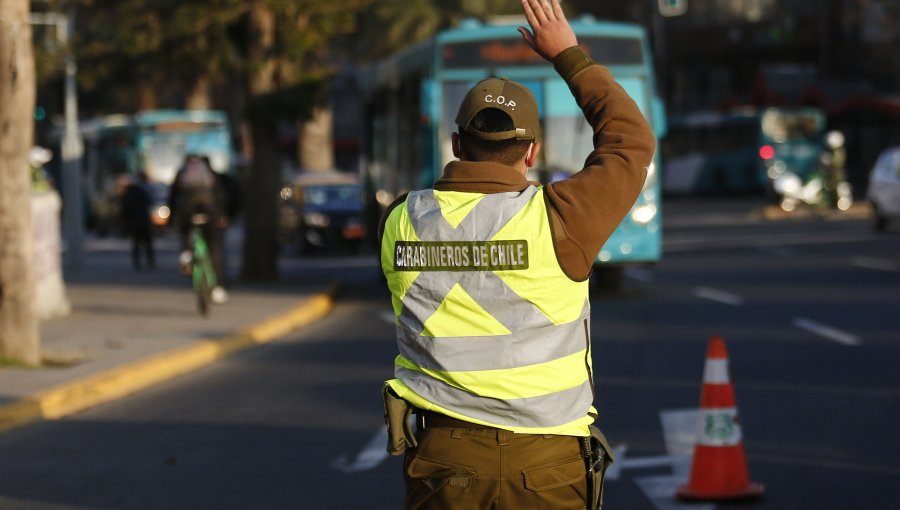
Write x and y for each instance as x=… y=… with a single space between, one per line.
x=671 y=8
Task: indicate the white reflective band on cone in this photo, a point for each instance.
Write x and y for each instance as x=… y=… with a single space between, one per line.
x=718 y=427
x=716 y=371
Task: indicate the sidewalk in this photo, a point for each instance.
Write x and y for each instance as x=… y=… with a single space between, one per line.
x=131 y=329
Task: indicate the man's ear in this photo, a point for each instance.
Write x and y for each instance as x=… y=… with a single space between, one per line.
x=531 y=155
x=454 y=144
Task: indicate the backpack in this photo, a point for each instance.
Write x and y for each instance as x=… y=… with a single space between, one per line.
x=197 y=178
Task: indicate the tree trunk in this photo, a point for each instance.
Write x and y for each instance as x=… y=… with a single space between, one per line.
x=260 y=252
x=315 y=144
x=147 y=98
x=19 y=331
x=200 y=97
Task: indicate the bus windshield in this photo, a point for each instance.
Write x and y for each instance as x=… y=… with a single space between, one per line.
x=782 y=126
x=566 y=137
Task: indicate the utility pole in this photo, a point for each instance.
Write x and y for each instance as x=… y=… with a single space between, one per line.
x=663 y=9
x=72 y=143
x=72 y=150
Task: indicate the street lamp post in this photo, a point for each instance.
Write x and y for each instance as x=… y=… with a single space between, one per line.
x=72 y=144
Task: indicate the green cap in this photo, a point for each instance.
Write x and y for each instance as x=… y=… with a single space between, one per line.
x=507 y=96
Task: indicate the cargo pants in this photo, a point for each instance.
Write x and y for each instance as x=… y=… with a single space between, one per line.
x=492 y=469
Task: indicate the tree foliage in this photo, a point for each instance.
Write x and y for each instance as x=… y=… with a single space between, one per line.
x=273 y=57
x=389 y=25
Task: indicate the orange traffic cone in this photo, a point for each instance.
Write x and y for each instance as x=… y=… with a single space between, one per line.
x=719 y=469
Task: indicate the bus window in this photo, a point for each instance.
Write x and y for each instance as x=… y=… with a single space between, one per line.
x=453 y=93
x=567 y=137
x=514 y=52
x=712 y=152
x=782 y=126
x=163 y=157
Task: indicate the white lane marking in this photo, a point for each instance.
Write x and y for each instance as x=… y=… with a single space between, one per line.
x=387 y=316
x=370 y=457
x=873 y=263
x=641 y=275
x=680 y=434
x=660 y=490
x=841 y=337
x=701 y=243
x=718 y=295
x=621 y=463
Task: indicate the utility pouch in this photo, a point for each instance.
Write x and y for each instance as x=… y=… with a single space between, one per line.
x=396 y=417
x=598 y=457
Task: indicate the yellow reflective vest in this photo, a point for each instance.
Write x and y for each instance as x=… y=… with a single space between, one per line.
x=489 y=328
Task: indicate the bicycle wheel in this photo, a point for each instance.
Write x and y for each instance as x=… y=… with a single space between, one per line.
x=201 y=289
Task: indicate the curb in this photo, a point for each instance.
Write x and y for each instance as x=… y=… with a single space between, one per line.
x=113 y=384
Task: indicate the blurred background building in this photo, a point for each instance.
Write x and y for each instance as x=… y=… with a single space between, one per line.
x=838 y=55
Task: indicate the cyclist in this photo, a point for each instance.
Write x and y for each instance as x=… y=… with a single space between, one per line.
x=196 y=190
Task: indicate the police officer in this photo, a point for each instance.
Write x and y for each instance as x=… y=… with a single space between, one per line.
x=488 y=274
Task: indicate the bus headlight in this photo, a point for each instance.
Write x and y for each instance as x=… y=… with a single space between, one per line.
x=787 y=184
x=643 y=214
x=314 y=219
x=160 y=215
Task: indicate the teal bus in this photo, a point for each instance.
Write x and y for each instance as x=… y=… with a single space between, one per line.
x=155 y=142
x=790 y=142
x=412 y=98
x=712 y=152
x=742 y=150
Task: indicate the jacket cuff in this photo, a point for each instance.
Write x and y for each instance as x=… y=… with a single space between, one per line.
x=571 y=61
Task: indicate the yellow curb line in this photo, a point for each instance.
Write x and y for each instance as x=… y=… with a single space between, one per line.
x=118 y=382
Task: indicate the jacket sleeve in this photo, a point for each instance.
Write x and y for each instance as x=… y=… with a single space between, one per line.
x=587 y=207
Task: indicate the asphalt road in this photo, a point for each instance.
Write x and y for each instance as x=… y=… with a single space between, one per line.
x=809 y=309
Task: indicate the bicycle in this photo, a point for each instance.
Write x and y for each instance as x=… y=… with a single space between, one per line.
x=203 y=273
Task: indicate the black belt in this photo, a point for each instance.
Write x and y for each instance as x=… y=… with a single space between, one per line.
x=431 y=419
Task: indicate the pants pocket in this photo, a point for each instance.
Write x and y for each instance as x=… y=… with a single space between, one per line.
x=436 y=485
x=561 y=485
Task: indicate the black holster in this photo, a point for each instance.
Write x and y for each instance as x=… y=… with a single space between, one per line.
x=396 y=416
x=597 y=456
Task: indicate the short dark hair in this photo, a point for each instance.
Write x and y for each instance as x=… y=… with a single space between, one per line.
x=491 y=120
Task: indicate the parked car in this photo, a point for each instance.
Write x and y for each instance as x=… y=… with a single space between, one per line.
x=330 y=212
x=884 y=188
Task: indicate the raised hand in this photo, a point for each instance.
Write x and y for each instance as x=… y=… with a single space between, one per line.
x=550 y=31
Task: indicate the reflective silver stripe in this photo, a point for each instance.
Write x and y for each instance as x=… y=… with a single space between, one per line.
x=546 y=411
x=483 y=222
x=487 y=289
x=521 y=348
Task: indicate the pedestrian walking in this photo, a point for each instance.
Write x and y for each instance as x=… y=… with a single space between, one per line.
x=135 y=207
x=488 y=274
